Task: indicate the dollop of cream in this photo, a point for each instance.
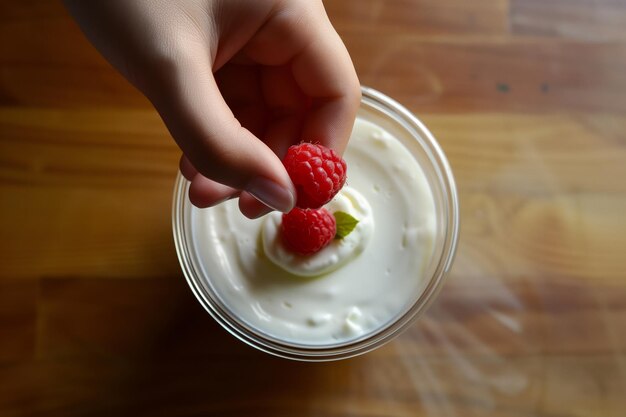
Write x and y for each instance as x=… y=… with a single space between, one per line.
x=337 y=253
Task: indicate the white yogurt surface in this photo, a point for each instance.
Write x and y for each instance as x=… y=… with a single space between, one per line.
x=355 y=294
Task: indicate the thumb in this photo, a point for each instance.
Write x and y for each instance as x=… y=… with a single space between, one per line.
x=194 y=111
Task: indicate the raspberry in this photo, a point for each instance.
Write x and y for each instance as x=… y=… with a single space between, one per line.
x=306 y=231
x=317 y=172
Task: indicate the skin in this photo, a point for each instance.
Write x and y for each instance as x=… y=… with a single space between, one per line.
x=236 y=83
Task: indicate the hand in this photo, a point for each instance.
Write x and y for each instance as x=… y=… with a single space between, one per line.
x=236 y=83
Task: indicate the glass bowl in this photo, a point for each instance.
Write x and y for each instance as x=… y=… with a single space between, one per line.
x=396 y=119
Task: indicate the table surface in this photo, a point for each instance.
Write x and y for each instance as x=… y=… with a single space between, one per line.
x=527 y=98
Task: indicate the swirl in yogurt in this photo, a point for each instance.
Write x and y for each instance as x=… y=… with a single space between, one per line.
x=337 y=253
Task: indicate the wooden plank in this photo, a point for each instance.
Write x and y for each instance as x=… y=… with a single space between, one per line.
x=593 y=20
x=534 y=155
x=420 y=17
x=503 y=75
x=585 y=385
x=33 y=85
x=30 y=10
x=53 y=63
x=18 y=319
x=532 y=316
x=103 y=148
x=127 y=318
x=579 y=236
x=87 y=232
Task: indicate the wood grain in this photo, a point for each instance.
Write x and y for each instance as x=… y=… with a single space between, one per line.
x=592 y=20
x=18 y=319
x=526 y=97
x=494 y=74
x=421 y=17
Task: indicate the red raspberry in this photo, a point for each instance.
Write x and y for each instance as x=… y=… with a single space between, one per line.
x=317 y=172
x=306 y=231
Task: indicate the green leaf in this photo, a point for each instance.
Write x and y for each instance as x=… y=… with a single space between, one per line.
x=345 y=224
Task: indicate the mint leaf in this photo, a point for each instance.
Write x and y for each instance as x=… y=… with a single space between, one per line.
x=345 y=224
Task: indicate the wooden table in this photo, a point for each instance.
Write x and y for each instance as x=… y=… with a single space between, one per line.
x=528 y=99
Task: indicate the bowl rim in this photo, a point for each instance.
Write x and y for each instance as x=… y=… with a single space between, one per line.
x=246 y=334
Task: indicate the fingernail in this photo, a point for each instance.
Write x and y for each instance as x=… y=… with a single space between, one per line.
x=271 y=194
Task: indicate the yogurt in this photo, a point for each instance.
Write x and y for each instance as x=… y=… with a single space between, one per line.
x=338 y=300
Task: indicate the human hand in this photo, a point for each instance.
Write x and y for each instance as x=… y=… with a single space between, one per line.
x=236 y=83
